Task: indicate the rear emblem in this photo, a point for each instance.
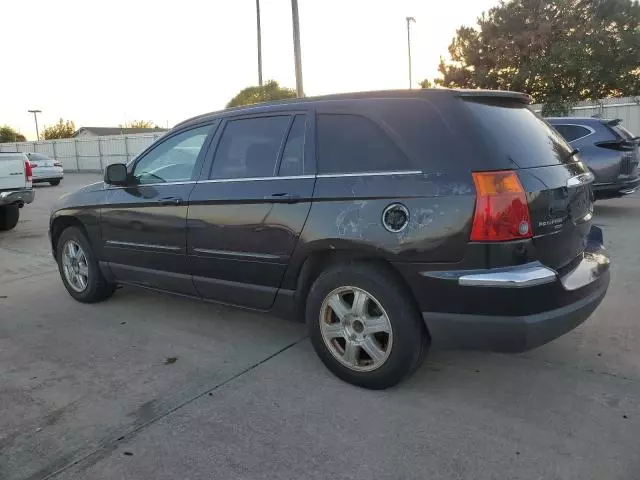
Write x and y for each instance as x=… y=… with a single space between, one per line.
x=523 y=228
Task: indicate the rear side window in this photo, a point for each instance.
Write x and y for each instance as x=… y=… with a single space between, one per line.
x=353 y=143
x=518 y=135
x=249 y=147
x=572 y=132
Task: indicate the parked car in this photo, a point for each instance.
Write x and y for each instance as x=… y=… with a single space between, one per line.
x=390 y=221
x=609 y=150
x=15 y=187
x=45 y=169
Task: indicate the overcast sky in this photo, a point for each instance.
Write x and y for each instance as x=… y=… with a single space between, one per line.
x=101 y=63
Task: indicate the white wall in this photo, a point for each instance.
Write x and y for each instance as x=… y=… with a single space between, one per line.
x=88 y=154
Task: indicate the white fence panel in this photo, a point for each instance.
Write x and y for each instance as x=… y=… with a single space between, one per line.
x=8 y=147
x=114 y=150
x=25 y=146
x=88 y=154
x=44 y=147
x=65 y=153
x=139 y=143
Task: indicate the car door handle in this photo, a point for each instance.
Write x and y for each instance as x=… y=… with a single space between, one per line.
x=284 y=197
x=170 y=201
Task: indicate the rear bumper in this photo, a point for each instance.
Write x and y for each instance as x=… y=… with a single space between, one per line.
x=45 y=174
x=20 y=197
x=516 y=308
x=616 y=189
x=510 y=333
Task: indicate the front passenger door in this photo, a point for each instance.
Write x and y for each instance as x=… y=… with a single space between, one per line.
x=143 y=224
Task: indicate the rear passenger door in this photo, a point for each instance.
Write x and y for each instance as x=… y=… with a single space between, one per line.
x=247 y=211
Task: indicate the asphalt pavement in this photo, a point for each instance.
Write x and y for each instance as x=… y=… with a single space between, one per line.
x=151 y=386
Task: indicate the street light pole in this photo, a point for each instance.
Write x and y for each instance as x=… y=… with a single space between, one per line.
x=259 y=43
x=296 y=48
x=35 y=117
x=409 y=20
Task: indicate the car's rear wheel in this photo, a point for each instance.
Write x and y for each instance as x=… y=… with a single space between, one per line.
x=364 y=325
x=54 y=182
x=9 y=216
x=79 y=268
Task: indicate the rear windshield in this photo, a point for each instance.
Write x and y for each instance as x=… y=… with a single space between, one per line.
x=38 y=156
x=517 y=135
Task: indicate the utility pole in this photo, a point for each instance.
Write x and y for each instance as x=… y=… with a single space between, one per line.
x=35 y=117
x=259 y=43
x=409 y=20
x=296 y=48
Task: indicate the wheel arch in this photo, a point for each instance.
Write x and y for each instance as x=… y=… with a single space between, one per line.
x=321 y=259
x=60 y=224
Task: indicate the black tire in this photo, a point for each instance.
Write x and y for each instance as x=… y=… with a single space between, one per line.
x=410 y=338
x=97 y=287
x=9 y=216
x=55 y=182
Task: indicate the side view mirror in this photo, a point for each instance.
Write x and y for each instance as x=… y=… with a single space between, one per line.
x=116 y=174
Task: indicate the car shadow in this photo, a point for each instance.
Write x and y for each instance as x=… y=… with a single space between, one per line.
x=614 y=210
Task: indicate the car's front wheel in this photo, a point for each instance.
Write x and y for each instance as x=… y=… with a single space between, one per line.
x=54 y=182
x=79 y=268
x=364 y=325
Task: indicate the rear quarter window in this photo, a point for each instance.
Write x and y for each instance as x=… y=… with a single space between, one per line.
x=353 y=143
x=518 y=136
x=572 y=132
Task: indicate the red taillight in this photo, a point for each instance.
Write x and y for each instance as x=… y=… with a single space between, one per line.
x=28 y=172
x=502 y=212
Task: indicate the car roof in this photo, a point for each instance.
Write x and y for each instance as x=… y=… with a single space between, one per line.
x=300 y=103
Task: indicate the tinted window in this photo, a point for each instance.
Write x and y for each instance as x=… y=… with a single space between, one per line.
x=292 y=162
x=518 y=135
x=352 y=143
x=250 y=147
x=38 y=156
x=572 y=132
x=172 y=160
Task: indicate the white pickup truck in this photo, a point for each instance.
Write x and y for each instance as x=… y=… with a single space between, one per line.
x=16 y=188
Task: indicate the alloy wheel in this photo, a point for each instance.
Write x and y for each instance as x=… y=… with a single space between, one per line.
x=356 y=329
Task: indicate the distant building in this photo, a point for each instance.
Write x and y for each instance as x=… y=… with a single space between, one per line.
x=102 y=131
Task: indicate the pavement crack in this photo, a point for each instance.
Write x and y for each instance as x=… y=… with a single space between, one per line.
x=39 y=274
x=110 y=443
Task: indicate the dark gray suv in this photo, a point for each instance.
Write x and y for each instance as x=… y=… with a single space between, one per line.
x=389 y=221
x=609 y=150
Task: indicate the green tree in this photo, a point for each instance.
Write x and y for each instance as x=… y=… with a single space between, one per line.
x=426 y=83
x=62 y=129
x=8 y=134
x=268 y=92
x=139 y=124
x=557 y=51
